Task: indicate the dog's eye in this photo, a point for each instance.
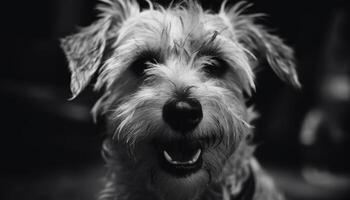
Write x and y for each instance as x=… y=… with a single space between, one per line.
x=139 y=65
x=216 y=68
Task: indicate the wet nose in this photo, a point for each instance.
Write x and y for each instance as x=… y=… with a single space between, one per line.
x=182 y=115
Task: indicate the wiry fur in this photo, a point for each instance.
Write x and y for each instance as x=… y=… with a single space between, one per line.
x=184 y=39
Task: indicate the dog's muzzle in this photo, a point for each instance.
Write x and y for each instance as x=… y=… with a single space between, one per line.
x=182 y=115
x=181 y=157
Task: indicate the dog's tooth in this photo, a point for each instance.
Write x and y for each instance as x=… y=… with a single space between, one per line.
x=174 y=162
x=167 y=157
x=195 y=157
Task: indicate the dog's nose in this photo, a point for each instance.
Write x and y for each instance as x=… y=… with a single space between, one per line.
x=182 y=115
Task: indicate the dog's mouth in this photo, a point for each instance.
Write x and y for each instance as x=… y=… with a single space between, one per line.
x=180 y=157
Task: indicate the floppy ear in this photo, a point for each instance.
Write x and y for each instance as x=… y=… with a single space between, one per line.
x=84 y=52
x=86 y=49
x=264 y=45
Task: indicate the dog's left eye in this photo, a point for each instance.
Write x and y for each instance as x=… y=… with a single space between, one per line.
x=139 y=65
x=216 y=68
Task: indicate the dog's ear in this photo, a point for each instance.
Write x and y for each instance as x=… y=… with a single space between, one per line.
x=262 y=44
x=86 y=50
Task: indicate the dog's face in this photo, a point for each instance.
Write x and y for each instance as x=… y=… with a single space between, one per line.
x=174 y=80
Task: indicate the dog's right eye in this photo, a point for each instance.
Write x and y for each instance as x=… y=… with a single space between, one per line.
x=139 y=65
x=217 y=68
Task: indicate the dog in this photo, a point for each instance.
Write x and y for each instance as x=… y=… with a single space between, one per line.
x=174 y=84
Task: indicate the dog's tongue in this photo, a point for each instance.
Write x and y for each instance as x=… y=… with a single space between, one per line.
x=182 y=150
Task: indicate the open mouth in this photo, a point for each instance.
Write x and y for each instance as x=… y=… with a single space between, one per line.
x=180 y=157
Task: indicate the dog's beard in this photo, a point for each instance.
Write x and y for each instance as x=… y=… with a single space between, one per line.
x=147 y=154
x=176 y=188
x=168 y=185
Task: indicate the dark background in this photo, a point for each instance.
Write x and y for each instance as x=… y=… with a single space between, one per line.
x=50 y=148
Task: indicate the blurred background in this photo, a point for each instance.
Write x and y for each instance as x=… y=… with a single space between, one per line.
x=50 y=148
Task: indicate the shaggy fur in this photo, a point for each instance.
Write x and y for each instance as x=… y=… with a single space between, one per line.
x=143 y=58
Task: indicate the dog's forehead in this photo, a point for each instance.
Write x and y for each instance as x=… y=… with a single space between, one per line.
x=154 y=28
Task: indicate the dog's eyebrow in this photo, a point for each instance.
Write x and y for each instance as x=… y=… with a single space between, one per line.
x=208 y=48
x=213 y=36
x=210 y=41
